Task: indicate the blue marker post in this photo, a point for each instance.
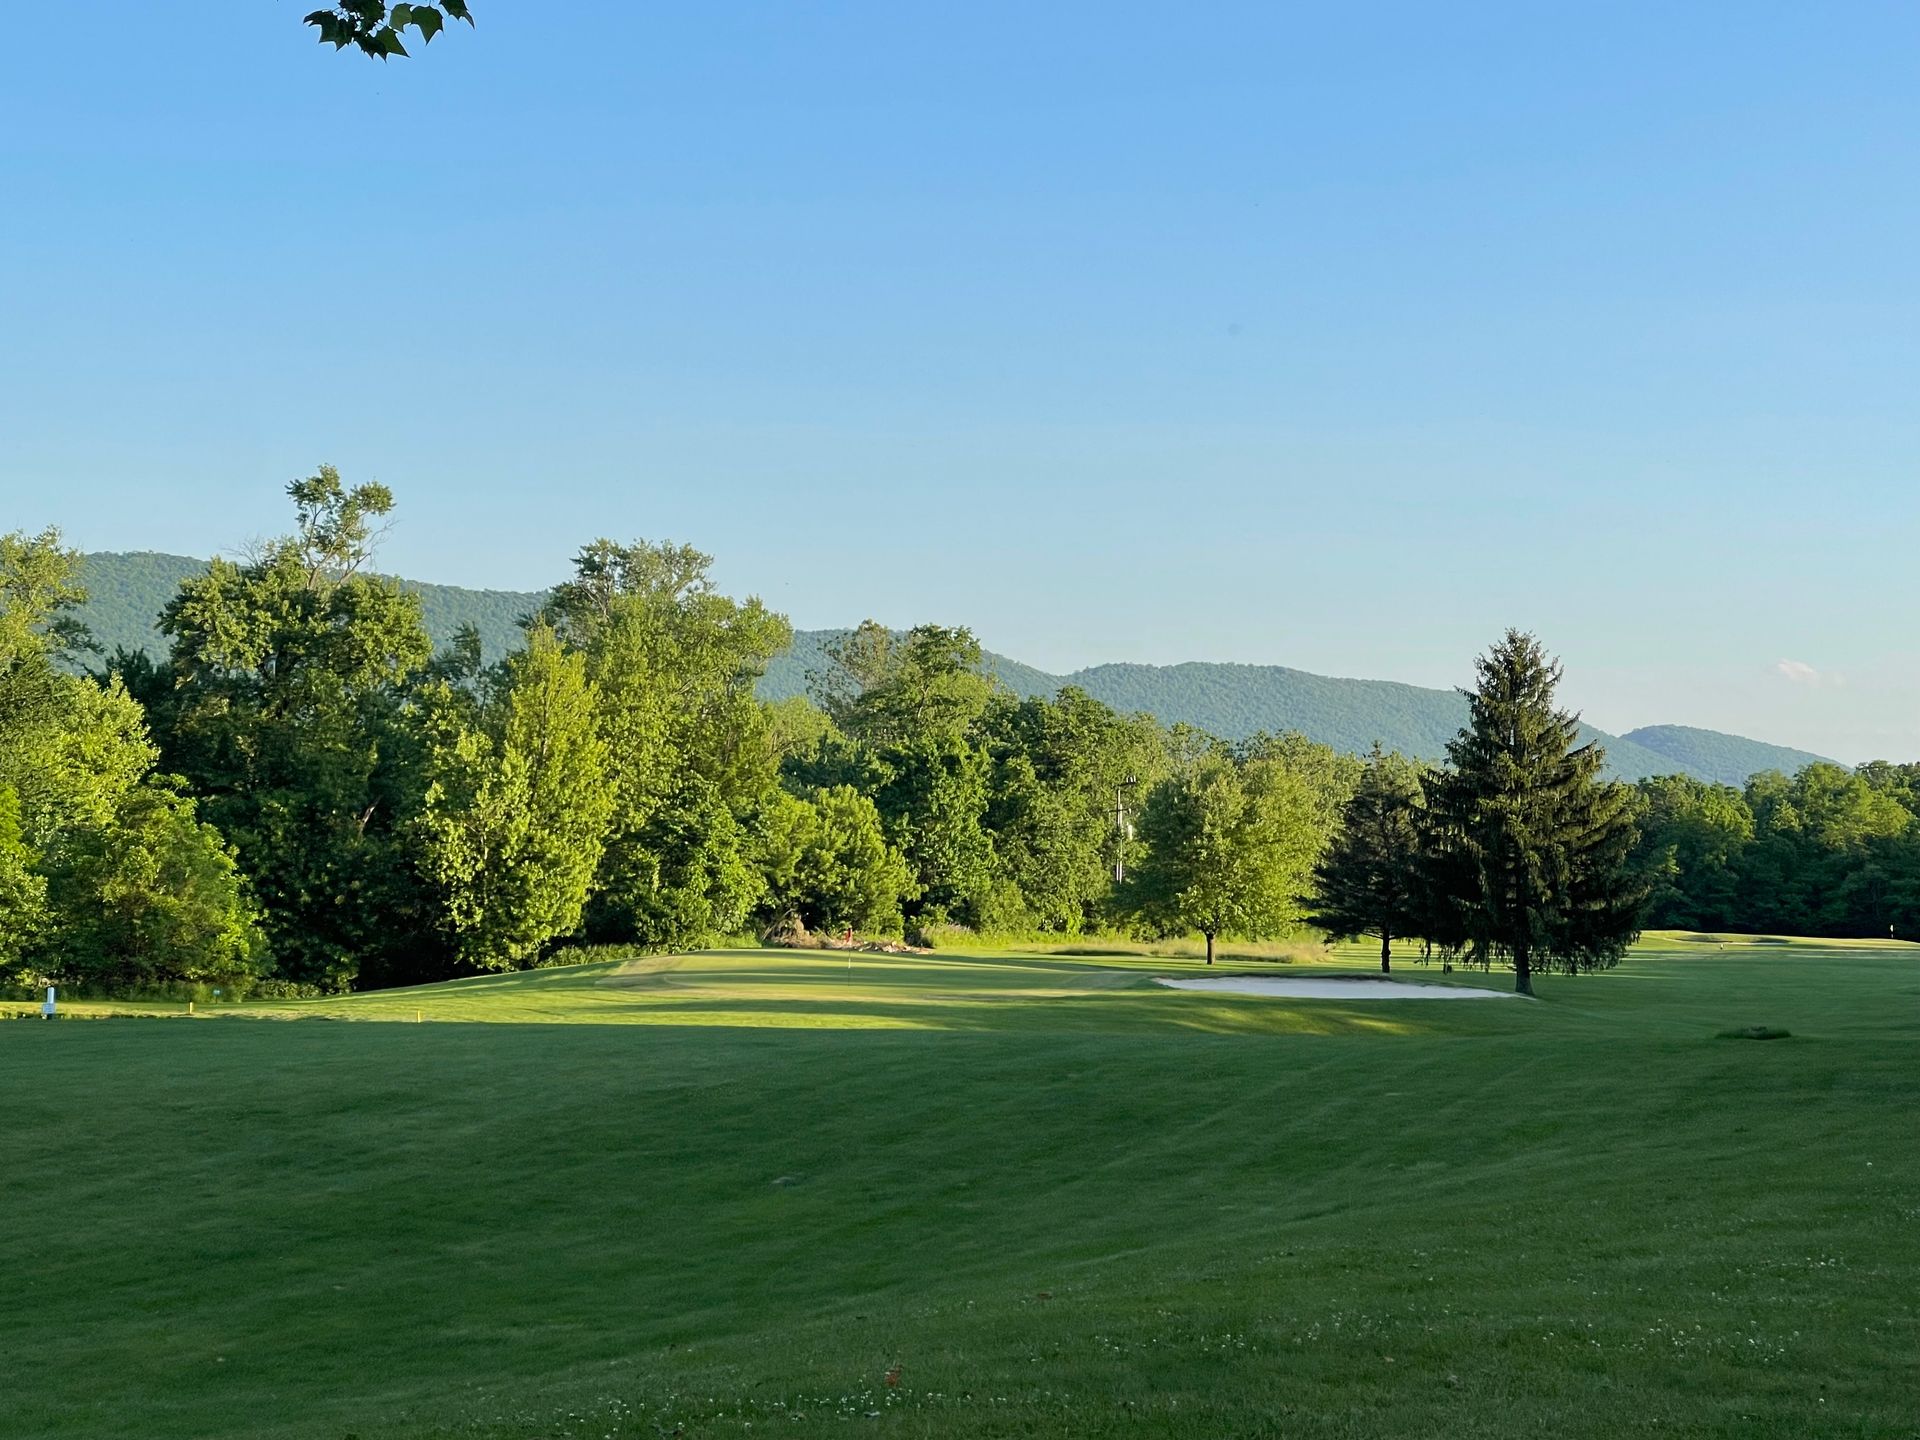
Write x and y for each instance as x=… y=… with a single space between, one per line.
x=47 y=1006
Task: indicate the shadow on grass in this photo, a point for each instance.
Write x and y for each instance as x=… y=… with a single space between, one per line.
x=1142 y=1012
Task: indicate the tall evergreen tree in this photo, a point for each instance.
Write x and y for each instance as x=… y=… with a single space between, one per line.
x=1536 y=847
x=1367 y=881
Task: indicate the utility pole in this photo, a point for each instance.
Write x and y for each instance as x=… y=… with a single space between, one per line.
x=1120 y=828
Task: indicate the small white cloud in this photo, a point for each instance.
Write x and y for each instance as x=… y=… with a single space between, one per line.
x=1799 y=672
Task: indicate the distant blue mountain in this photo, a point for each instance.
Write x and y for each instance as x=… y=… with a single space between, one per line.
x=1712 y=755
x=1233 y=701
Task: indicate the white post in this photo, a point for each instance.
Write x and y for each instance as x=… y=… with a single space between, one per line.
x=47 y=1006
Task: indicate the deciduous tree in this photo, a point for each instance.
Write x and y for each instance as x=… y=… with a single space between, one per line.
x=1063 y=766
x=828 y=864
x=23 y=891
x=153 y=898
x=106 y=874
x=517 y=807
x=690 y=752
x=1692 y=835
x=286 y=713
x=1228 y=851
x=911 y=713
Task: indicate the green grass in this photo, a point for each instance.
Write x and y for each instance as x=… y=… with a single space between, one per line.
x=736 y=1189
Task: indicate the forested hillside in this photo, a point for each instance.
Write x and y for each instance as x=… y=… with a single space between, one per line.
x=1713 y=755
x=1235 y=701
x=127 y=591
x=1350 y=715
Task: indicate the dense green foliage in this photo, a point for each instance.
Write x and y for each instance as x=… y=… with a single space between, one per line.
x=108 y=878
x=1369 y=881
x=23 y=891
x=517 y=808
x=1063 y=1201
x=1826 y=852
x=1234 y=702
x=348 y=809
x=828 y=864
x=616 y=777
x=909 y=721
x=378 y=29
x=1230 y=845
x=156 y=896
x=1064 y=771
x=688 y=752
x=284 y=707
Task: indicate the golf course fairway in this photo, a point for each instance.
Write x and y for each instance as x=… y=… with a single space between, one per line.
x=790 y=1193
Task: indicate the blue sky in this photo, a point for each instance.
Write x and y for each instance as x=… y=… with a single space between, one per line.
x=1333 y=336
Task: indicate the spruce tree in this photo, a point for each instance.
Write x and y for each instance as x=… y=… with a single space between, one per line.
x=1367 y=882
x=1534 y=847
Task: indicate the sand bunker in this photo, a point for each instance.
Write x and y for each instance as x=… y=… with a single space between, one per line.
x=1332 y=988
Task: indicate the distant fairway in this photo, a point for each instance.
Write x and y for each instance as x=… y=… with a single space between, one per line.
x=737 y=1189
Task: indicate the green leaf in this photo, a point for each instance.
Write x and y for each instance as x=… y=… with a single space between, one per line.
x=331 y=31
x=388 y=41
x=401 y=16
x=427 y=21
x=458 y=10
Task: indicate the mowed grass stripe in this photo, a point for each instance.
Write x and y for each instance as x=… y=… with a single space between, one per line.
x=1103 y=1209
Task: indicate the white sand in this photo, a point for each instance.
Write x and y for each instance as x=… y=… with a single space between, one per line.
x=1332 y=988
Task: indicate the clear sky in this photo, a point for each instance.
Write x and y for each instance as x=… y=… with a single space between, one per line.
x=1334 y=336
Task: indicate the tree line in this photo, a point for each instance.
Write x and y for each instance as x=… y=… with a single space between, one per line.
x=1827 y=851
x=303 y=796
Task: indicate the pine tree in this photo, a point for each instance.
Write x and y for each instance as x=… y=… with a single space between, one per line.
x=1367 y=882
x=1534 y=848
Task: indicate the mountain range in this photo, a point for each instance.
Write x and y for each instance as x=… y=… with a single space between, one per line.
x=127 y=592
